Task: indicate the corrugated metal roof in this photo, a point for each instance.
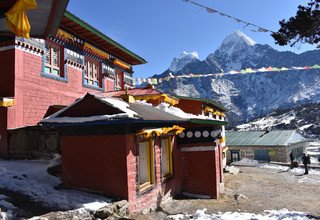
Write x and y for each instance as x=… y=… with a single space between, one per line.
x=260 y=138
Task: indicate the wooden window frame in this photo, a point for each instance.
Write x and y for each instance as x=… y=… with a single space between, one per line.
x=96 y=81
x=50 y=65
x=151 y=166
x=169 y=157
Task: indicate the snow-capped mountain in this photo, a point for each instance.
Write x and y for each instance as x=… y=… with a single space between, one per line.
x=306 y=118
x=185 y=58
x=238 y=51
x=247 y=96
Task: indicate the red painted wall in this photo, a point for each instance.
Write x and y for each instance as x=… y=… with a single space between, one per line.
x=96 y=163
x=7 y=73
x=3 y=132
x=151 y=199
x=190 y=106
x=35 y=93
x=201 y=171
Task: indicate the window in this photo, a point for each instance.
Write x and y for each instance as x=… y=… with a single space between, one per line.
x=247 y=154
x=166 y=157
x=119 y=80
x=52 y=60
x=92 y=74
x=146 y=164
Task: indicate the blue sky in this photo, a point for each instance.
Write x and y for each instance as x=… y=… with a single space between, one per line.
x=159 y=30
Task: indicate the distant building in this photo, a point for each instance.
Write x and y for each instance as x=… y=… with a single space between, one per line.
x=274 y=145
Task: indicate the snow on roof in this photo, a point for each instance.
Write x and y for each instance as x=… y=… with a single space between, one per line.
x=178 y=112
x=114 y=102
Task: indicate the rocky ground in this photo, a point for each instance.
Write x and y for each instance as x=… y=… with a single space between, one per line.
x=255 y=190
x=252 y=190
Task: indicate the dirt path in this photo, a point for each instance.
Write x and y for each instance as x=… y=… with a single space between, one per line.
x=255 y=190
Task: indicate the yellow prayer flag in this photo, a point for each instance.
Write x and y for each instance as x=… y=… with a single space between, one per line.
x=17 y=19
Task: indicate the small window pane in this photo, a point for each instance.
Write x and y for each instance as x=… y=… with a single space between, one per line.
x=47 y=54
x=143 y=162
x=164 y=157
x=47 y=69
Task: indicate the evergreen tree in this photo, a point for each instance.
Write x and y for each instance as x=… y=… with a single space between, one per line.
x=303 y=27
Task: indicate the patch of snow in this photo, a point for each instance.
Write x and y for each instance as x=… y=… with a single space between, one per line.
x=57 y=160
x=178 y=112
x=305 y=126
x=268 y=214
x=297 y=170
x=246 y=162
x=31 y=178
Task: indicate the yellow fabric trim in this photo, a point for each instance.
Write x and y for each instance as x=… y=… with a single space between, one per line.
x=6 y=102
x=175 y=129
x=121 y=64
x=64 y=34
x=17 y=20
x=213 y=111
x=165 y=97
x=96 y=50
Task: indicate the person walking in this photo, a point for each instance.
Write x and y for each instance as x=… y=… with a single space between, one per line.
x=306 y=160
x=291 y=160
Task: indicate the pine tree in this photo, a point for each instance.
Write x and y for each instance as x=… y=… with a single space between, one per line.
x=303 y=27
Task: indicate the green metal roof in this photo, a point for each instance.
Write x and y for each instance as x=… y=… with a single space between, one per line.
x=103 y=36
x=261 y=138
x=203 y=100
x=207 y=122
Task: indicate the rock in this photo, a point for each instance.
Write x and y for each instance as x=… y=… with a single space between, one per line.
x=114 y=211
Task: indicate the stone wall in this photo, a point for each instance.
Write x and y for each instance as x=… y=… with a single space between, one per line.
x=276 y=153
x=33 y=142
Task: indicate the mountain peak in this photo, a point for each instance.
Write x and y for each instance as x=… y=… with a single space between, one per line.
x=185 y=58
x=190 y=55
x=238 y=36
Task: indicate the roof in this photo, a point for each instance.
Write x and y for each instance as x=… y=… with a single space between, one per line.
x=209 y=101
x=263 y=138
x=109 y=110
x=44 y=20
x=150 y=113
x=75 y=25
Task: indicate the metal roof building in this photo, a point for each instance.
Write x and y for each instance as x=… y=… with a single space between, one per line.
x=266 y=145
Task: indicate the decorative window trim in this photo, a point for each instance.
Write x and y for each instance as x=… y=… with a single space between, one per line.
x=62 y=76
x=169 y=141
x=99 y=79
x=143 y=187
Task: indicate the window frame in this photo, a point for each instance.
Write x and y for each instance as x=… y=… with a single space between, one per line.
x=169 y=157
x=150 y=165
x=60 y=68
x=86 y=76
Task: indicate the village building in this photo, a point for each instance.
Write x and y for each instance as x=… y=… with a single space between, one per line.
x=55 y=71
x=195 y=106
x=157 y=154
x=274 y=145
